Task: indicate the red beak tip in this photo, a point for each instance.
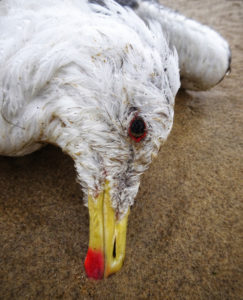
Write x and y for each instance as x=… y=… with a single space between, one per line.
x=94 y=264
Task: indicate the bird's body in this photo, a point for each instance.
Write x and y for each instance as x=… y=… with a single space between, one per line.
x=77 y=79
x=94 y=80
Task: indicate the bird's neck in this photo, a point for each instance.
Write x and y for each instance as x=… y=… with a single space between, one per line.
x=61 y=126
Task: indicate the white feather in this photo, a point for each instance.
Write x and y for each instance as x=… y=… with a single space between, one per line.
x=71 y=74
x=204 y=55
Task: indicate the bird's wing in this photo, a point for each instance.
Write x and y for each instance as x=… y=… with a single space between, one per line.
x=204 y=56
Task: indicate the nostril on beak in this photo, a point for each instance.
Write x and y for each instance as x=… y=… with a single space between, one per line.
x=114 y=249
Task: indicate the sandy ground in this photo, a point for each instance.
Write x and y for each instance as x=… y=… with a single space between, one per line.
x=184 y=230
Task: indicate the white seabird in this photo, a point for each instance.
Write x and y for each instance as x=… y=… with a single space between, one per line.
x=99 y=81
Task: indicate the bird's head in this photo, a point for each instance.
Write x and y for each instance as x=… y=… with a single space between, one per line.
x=116 y=96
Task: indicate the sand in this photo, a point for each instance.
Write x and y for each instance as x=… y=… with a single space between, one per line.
x=184 y=230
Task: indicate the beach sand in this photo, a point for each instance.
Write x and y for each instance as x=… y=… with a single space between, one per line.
x=184 y=230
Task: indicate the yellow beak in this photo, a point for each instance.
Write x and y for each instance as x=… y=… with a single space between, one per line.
x=107 y=237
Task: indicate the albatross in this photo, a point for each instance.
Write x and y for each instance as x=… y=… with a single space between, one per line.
x=98 y=79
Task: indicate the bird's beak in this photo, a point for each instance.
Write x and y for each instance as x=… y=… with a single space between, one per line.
x=107 y=237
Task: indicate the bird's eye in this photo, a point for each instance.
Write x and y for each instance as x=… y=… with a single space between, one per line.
x=137 y=129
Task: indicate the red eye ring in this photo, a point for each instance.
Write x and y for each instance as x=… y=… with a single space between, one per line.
x=137 y=129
